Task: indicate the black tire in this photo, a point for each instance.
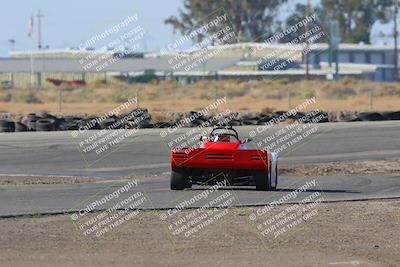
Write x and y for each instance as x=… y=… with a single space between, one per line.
x=20 y=127
x=87 y=124
x=30 y=121
x=6 y=123
x=70 y=127
x=7 y=126
x=235 y=122
x=146 y=125
x=371 y=116
x=45 y=125
x=391 y=115
x=57 y=121
x=250 y=121
x=29 y=117
x=178 y=180
x=110 y=123
x=31 y=125
x=32 y=116
x=72 y=118
x=263 y=181
x=276 y=173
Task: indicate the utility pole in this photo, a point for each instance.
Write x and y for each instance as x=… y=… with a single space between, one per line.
x=306 y=27
x=329 y=75
x=336 y=55
x=335 y=36
x=371 y=98
x=12 y=43
x=395 y=35
x=39 y=16
x=330 y=42
x=59 y=99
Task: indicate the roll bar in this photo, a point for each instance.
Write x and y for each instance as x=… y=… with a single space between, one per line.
x=228 y=127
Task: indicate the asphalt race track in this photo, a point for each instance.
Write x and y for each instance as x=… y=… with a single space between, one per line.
x=143 y=155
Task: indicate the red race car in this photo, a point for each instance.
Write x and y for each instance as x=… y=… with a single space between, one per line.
x=223 y=157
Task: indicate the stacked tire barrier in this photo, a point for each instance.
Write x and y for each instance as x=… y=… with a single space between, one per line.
x=48 y=122
x=7 y=126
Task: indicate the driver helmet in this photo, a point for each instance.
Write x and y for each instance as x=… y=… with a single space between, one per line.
x=222 y=138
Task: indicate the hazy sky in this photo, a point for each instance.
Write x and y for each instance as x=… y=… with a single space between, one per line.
x=68 y=23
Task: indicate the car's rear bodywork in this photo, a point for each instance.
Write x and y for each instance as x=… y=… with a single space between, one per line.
x=216 y=161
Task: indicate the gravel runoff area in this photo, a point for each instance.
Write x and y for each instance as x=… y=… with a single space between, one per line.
x=358 y=233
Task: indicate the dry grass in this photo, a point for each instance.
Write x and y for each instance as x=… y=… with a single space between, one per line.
x=97 y=97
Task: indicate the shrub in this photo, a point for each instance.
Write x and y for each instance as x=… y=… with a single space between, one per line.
x=32 y=99
x=309 y=94
x=5 y=98
x=341 y=93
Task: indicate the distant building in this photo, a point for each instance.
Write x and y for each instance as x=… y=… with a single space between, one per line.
x=378 y=57
x=242 y=61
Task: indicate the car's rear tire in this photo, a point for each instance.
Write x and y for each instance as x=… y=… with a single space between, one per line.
x=276 y=173
x=179 y=180
x=262 y=181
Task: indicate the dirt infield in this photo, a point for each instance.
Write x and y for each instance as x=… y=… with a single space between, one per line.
x=25 y=180
x=362 y=233
x=98 y=97
x=366 y=167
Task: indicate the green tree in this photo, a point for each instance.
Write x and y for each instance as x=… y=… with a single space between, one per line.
x=356 y=17
x=250 y=19
x=298 y=15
